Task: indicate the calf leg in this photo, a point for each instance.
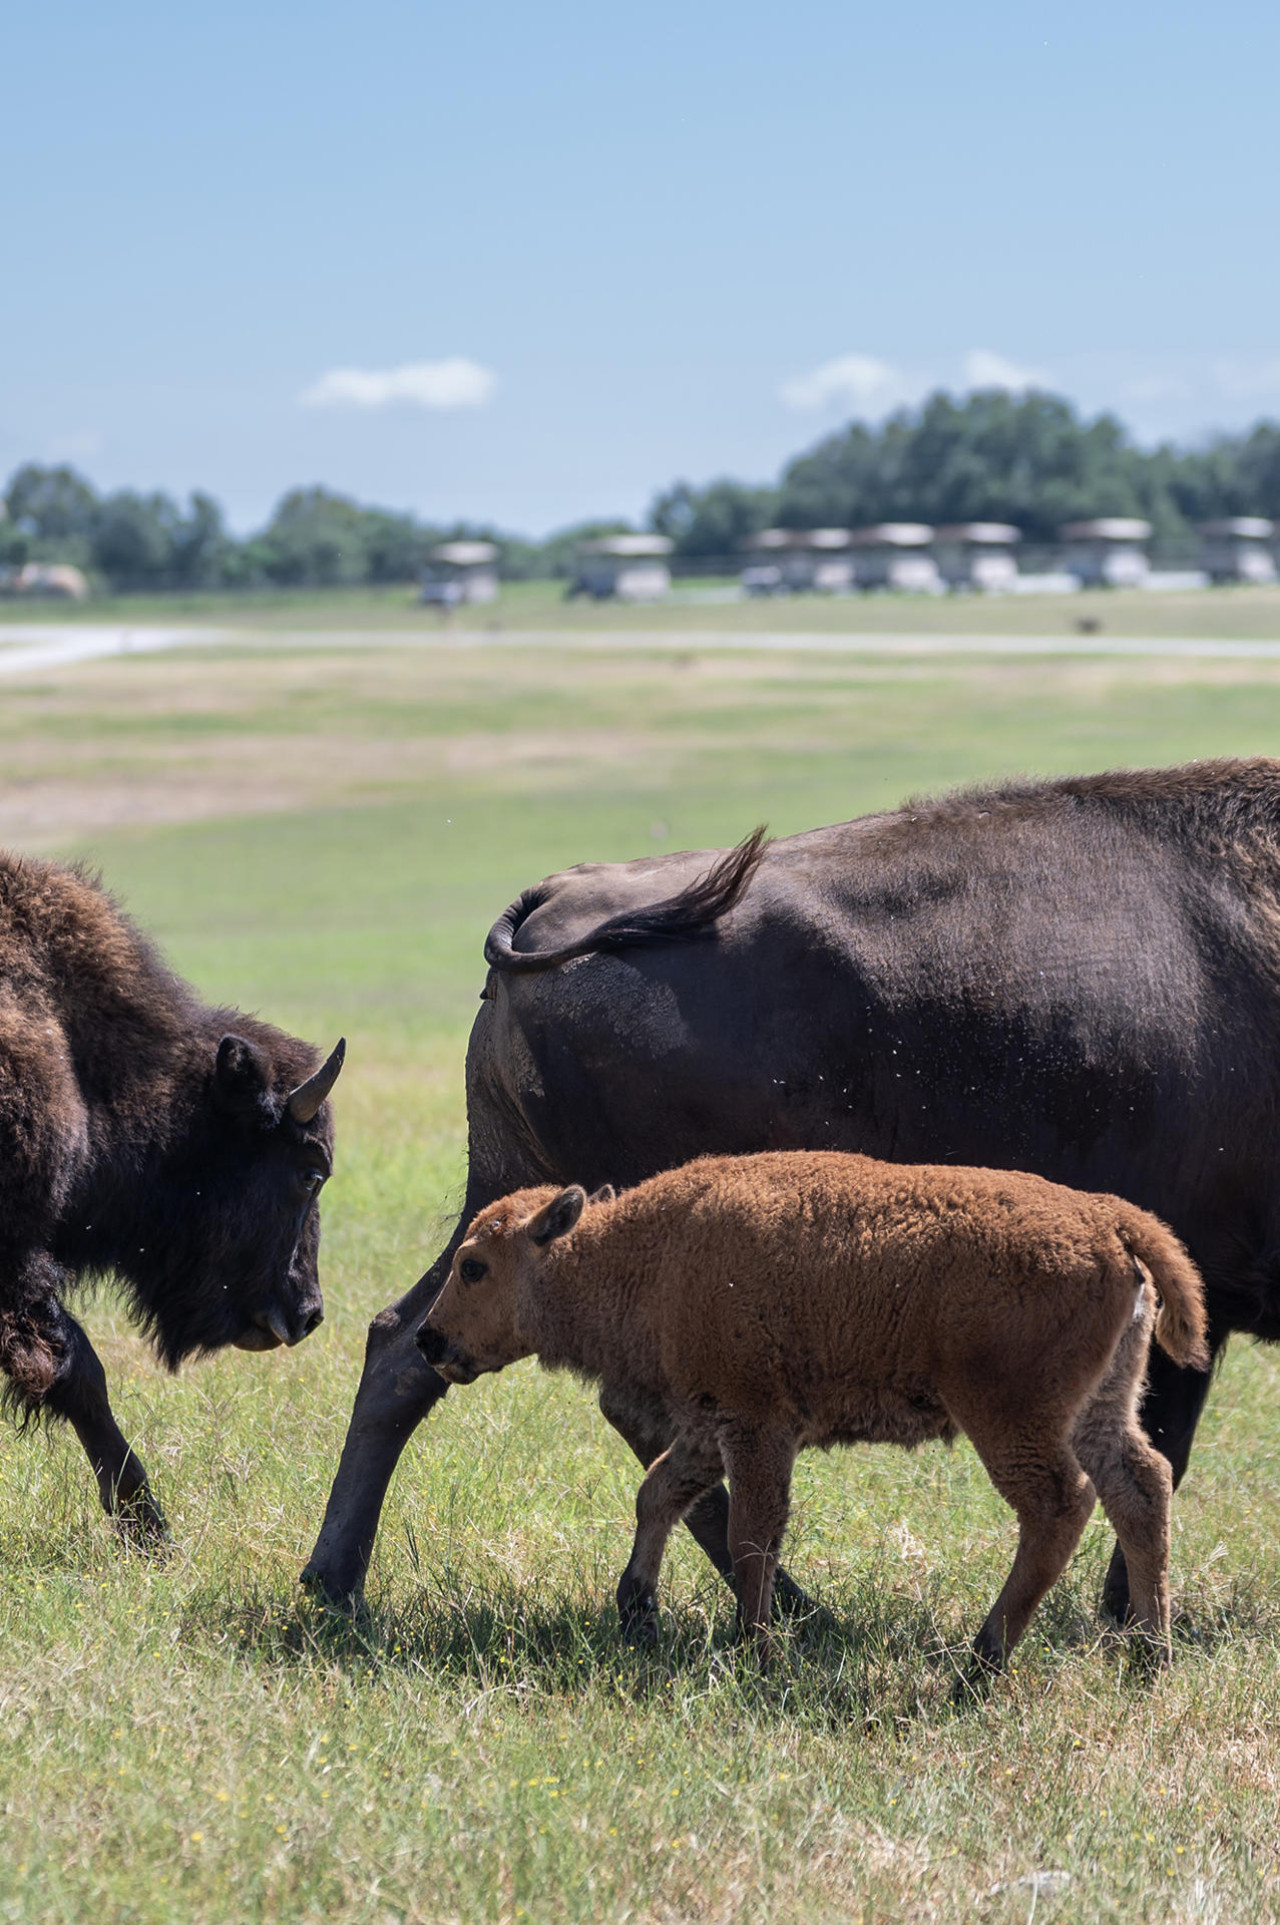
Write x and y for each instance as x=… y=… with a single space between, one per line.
x=673 y=1482
x=759 y=1463
x=1052 y=1499
x=644 y=1425
x=1134 y=1484
x=1171 y=1409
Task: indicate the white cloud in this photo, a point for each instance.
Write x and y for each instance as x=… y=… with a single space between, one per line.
x=854 y=380
x=452 y=383
x=983 y=369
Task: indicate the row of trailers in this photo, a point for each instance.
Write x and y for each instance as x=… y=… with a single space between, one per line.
x=907 y=556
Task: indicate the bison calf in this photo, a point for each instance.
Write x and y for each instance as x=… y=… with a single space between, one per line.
x=792 y=1299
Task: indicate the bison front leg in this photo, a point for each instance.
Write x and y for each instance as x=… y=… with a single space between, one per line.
x=80 y=1395
x=397 y=1390
x=672 y=1483
x=646 y=1428
x=52 y=1367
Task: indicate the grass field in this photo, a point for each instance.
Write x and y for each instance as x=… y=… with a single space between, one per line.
x=323 y=832
x=698 y=607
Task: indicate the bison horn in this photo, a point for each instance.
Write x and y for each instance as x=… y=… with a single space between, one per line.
x=307 y=1098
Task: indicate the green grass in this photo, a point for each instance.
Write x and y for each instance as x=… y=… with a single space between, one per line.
x=1239 y=612
x=187 y=1739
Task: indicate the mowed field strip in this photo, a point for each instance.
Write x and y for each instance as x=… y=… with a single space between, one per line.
x=320 y=825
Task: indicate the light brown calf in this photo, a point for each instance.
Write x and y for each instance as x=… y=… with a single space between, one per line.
x=802 y=1298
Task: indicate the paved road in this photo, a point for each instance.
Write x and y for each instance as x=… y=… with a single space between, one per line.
x=30 y=645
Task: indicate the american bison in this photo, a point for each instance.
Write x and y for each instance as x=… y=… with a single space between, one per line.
x=769 y=1304
x=1079 y=978
x=143 y=1135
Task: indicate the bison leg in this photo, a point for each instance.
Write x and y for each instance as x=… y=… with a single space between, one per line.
x=645 y=1427
x=671 y=1484
x=1134 y=1484
x=1053 y=1500
x=397 y=1389
x=52 y=1367
x=80 y=1395
x=1170 y=1412
x=759 y=1464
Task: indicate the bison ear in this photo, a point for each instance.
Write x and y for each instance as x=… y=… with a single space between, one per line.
x=241 y=1074
x=558 y=1217
x=605 y=1194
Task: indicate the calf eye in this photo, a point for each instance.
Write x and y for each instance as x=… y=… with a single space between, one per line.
x=471 y=1269
x=312 y=1180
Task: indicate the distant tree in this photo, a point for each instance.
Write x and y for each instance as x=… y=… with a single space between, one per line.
x=55 y=509
x=315 y=539
x=992 y=456
x=201 y=549
x=715 y=520
x=134 y=539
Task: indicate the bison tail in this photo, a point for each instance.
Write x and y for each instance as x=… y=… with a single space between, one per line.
x=1181 y=1323
x=690 y=916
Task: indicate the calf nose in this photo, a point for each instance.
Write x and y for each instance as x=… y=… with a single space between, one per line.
x=431 y=1343
x=312 y=1322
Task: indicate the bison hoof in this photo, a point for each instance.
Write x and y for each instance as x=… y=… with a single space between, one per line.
x=347 y=1604
x=140 y=1521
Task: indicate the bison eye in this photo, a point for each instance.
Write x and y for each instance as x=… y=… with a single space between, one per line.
x=471 y=1269
x=312 y=1180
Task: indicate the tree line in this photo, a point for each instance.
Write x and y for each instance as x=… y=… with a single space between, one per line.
x=1030 y=459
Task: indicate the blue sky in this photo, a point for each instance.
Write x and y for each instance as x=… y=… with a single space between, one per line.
x=530 y=264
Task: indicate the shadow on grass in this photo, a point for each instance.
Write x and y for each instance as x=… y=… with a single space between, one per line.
x=888 y=1664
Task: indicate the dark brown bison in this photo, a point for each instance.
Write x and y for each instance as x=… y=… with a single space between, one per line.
x=143 y=1136
x=804 y=1298
x=1079 y=978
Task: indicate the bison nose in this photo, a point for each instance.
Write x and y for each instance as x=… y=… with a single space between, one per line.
x=432 y=1344
x=290 y=1326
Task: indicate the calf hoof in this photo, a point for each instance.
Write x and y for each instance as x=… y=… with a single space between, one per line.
x=1148 y=1652
x=789 y=1601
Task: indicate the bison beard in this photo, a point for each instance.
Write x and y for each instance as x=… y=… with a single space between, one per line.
x=1078 y=978
x=145 y=1136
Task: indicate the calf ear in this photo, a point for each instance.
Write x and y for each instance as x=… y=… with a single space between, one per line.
x=241 y=1074
x=557 y=1218
x=605 y=1194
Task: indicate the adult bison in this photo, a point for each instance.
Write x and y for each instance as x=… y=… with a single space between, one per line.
x=178 y=1148
x=1079 y=978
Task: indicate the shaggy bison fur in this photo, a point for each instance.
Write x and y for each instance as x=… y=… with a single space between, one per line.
x=775 y=1302
x=178 y=1148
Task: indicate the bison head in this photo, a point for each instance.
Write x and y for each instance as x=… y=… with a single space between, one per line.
x=227 y=1218
x=481 y=1320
